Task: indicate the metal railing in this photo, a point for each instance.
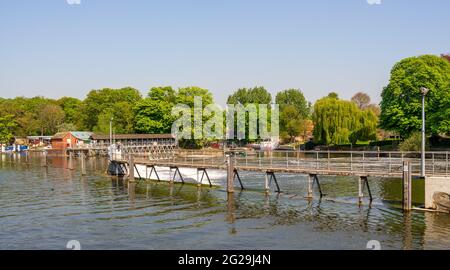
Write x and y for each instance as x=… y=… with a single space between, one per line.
x=334 y=162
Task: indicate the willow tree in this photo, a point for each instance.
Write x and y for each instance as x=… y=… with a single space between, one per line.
x=341 y=122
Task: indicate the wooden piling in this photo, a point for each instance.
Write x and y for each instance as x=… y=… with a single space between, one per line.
x=360 y=190
x=407 y=186
x=230 y=174
x=131 y=169
x=44 y=162
x=310 y=187
x=70 y=163
x=83 y=164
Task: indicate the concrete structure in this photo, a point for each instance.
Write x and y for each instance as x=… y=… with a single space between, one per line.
x=435 y=184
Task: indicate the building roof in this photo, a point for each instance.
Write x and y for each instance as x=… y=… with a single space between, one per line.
x=39 y=137
x=80 y=135
x=133 y=136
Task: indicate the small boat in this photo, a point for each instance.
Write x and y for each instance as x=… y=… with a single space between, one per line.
x=269 y=145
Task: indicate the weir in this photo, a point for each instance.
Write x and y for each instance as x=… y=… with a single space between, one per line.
x=314 y=164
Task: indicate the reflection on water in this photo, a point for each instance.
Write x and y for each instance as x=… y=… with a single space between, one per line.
x=43 y=208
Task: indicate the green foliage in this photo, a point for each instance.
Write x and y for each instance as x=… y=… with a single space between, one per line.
x=67 y=127
x=7 y=125
x=72 y=111
x=186 y=96
x=401 y=105
x=293 y=97
x=413 y=143
x=333 y=95
x=291 y=122
x=101 y=103
x=342 y=122
x=153 y=114
x=50 y=116
x=122 y=115
x=256 y=95
x=26 y=112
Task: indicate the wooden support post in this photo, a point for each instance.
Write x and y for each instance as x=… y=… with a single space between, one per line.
x=230 y=174
x=407 y=186
x=170 y=175
x=266 y=184
x=44 y=162
x=70 y=163
x=83 y=164
x=310 y=186
x=199 y=184
x=360 y=190
x=131 y=169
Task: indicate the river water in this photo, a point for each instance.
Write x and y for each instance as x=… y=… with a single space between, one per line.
x=44 y=208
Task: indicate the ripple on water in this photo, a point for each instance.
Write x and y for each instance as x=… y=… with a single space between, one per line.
x=44 y=209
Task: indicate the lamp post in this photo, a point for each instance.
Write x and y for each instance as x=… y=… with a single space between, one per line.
x=424 y=91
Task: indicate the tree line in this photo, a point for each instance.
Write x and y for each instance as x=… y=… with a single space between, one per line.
x=335 y=121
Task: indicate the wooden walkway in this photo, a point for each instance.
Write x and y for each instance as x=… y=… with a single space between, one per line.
x=368 y=164
x=405 y=165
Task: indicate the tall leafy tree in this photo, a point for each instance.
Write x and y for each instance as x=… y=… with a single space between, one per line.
x=72 y=111
x=153 y=114
x=7 y=126
x=255 y=95
x=50 y=116
x=101 y=101
x=123 y=119
x=186 y=96
x=401 y=105
x=293 y=97
x=244 y=96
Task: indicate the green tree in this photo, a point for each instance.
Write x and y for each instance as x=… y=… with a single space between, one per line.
x=67 y=127
x=401 y=104
x=341 y=122
x=72 y=111
x=50 y=116
x=25 y=112
x=293 y=97
x=7 y=125
x=244 y=96
x=256 y=95
x=186 y=96
x=153 y=114
x=413 y=143
x=102 y=101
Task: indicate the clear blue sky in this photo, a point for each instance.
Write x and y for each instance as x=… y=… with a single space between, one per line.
x=54 y=49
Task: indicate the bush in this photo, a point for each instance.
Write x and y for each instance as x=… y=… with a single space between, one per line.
x=413 y=143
